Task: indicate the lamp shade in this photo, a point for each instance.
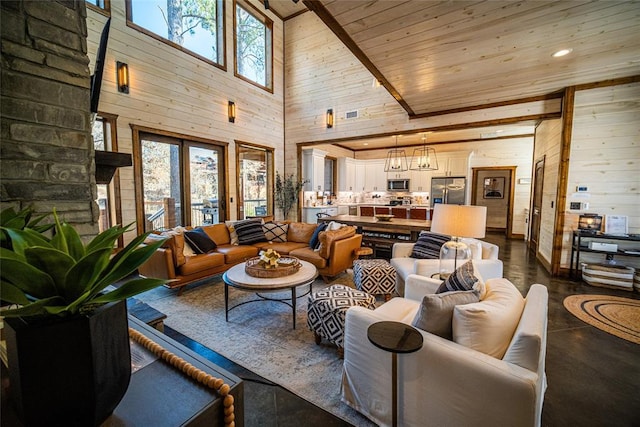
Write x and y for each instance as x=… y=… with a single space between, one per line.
x=459 y=220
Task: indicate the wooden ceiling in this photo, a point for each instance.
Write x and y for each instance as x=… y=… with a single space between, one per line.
x=435 y=56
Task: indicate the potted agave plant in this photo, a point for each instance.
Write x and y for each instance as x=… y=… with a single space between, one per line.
x=66 y=326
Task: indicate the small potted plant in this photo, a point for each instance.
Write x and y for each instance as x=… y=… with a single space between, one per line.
x=66 y=328
x=287 y=192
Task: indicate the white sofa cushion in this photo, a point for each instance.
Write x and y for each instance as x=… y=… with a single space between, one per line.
x=488 y=326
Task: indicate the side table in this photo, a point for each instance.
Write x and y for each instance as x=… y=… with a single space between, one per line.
x=395 y=337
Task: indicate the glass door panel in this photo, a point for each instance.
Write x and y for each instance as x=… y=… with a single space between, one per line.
x=205 y=180
x=162 y=183
x=253 y=181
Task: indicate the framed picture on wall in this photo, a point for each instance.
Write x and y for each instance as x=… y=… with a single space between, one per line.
x=493 y=188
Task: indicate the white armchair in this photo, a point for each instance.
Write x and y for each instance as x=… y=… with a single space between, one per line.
x=484 y=255
x=446 y=383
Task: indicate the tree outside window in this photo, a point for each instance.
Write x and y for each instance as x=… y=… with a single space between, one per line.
x=196 y=25
x=253 y=41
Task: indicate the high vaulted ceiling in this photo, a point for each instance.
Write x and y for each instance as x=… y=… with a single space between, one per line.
x=435 y=56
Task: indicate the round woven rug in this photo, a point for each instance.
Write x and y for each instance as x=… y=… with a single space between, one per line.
x=615 y=315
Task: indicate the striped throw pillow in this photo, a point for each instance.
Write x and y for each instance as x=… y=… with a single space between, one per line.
x=428 y=245
x=462 y=279
x=249 y=231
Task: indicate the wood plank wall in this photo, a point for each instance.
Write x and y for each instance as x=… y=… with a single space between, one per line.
x=605 y=157
x=547 y=146
x=174 y=91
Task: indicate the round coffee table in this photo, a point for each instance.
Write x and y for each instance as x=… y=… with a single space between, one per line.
x=239 y=279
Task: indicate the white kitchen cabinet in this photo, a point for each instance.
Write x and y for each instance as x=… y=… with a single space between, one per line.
x=375 y=176
x=347 y=174
x=420 y=181
x=313 y=169
x=360 y=180
x=452 y=164
x=343 y=210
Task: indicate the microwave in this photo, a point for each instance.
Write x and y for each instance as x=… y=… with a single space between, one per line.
x=397 y=185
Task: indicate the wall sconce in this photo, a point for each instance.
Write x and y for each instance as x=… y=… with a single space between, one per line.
x=329 y=118
x=232 y=112
x=122 y=71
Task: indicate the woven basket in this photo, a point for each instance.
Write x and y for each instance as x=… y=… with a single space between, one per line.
x=286 y=266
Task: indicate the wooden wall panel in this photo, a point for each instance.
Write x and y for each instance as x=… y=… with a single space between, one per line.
x=605 y=157
x=547 y=145
x=173 y=91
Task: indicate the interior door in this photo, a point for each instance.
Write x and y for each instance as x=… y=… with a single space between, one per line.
x=538 y=179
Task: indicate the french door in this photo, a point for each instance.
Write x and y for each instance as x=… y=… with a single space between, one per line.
x=255 y=180
x=181 y=181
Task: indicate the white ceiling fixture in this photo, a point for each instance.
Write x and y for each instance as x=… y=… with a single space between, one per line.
x=562 y=52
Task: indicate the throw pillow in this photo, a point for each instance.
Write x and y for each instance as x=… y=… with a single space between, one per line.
x=462 y=279
x=428 y=245
x=233 y=236
x=488 y=326
x=436 y=311
x=315 y=239
x=275 y=232
x=250 y=231
x=199 y=241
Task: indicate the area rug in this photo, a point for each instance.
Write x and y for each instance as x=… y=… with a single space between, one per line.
x=615 y=315
x=259 y=336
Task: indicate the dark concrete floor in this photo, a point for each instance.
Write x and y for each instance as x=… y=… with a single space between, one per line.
x=593 y=377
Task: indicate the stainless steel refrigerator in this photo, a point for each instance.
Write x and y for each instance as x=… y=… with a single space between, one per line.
x=450 y=190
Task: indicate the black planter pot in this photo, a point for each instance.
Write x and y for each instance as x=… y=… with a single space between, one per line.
x=70 y=372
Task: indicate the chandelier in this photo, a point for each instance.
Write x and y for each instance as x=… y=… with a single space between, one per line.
x=424 y=158
x=396 y=160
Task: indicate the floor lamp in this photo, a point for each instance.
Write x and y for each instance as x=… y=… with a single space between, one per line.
x=457 y=221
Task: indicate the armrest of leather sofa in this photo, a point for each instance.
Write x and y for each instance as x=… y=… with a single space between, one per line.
x=342 y=253
x=159 y=265
x=401 y=250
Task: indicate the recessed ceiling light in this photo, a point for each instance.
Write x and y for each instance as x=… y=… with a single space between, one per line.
x=562 y=52
x=365 y=143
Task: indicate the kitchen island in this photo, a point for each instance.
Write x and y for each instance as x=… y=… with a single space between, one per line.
x=381 y=235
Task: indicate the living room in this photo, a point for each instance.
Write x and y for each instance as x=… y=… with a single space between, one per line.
x=175 y=94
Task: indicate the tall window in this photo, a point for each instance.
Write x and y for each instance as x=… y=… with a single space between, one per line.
x=253 y=38
x=105 y=139
x=182 y=181
x=197 y=26
x=100 y=5
x=255 y=180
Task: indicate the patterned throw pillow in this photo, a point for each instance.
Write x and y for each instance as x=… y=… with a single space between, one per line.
x=428 y=245
x=436 y=311
x=233 y=236
x=249 y=231
x=462 y=279
x=275 y=232
x=199 y=241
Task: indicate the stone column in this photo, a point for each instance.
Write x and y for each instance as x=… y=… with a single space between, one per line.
x=46 y=151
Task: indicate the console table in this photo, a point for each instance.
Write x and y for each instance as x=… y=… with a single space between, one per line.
x=159 y=394
x=579 y=243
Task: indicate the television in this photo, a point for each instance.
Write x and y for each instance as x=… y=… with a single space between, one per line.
x=96 y=78
x=590 y=223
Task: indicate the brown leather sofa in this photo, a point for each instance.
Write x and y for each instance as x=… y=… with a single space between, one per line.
x=336 y=253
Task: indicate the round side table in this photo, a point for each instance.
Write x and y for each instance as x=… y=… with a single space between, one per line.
x=395 y=337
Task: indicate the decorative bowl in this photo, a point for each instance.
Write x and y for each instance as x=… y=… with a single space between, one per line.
x=384 y=217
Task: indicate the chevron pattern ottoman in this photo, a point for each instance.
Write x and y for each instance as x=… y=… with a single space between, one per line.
x=327 y=310
x=375 y=276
